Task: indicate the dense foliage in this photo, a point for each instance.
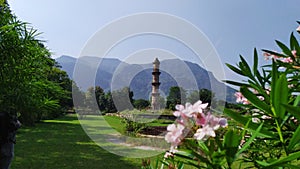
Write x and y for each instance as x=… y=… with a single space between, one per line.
x=177 y=95
x=263 y=132
x=270 y=98
x=31 y=85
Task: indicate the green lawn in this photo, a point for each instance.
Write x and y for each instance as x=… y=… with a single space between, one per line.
x=116 y=123
x=63 y=144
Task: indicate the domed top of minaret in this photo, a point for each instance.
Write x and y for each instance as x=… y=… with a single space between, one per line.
x=156 y=61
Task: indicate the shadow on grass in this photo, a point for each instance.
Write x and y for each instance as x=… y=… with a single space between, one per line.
x=63 y=144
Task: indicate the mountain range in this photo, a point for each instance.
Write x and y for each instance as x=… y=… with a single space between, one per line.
x=113 y=74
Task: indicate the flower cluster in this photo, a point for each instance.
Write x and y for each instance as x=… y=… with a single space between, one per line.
x=189 y=115
x=240 y=98
x=269 y=56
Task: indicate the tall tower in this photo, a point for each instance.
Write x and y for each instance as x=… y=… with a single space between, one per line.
x=155 y=85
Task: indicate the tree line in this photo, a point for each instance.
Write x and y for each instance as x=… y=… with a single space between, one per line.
x=122 y=99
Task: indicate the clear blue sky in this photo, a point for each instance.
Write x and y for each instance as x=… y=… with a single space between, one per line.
x=234 y=26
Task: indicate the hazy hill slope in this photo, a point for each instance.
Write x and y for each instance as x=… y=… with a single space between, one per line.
x=113 y=74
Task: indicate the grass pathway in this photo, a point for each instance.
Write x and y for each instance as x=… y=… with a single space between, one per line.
x=62 y=144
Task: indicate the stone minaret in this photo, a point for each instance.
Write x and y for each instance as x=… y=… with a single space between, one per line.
x=155 y=85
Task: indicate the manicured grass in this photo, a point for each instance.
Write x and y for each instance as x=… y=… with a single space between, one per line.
x=63 y=144
x=116 y=123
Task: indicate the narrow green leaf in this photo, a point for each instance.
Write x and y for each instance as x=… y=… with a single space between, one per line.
x=280 y=96
x=243 y=120
x=190 y=154
x=294 y=44
x=245 y=68
x=260 y=90
x=236 y=70
x=180 y=165
x=231 y=144
x=285 y=160
x=295 y=139
x=235 y=83
x=297 y=101
x=247 y=144
x=260 y=78
x=273 y=53
x=255 y=101
x=156 y=163
x=274 y=80
x=255 y=62
x=262 y=163
x=231 y=139
x=165 y=162
x=284 y=48
x=203 y=147
x=245 y=64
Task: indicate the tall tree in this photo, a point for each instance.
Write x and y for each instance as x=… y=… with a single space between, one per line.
x=78 y=97
x=205 y=95
x=123 y=99
x=177 y=95
x=110 y=106
x=63 y=91
x=100 y=97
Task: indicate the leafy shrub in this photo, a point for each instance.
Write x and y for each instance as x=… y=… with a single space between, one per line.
x=264 y=131
x=133 y=124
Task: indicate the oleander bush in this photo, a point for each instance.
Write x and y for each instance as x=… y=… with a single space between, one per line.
x=263 y=132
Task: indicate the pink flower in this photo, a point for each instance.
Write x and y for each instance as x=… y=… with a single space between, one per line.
x=189 y=110
x=183 y=111
x=245 y=101
x=192 y=115
x=174 y=134
x=209 y=124
x=294 y=52
x=240 y=98
x=204 y=132
x=223 y=122
x=287 y=60
x=199 y=106
x=269 y=56
x=200 y=119
x=215 y=122
x=212 y=121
